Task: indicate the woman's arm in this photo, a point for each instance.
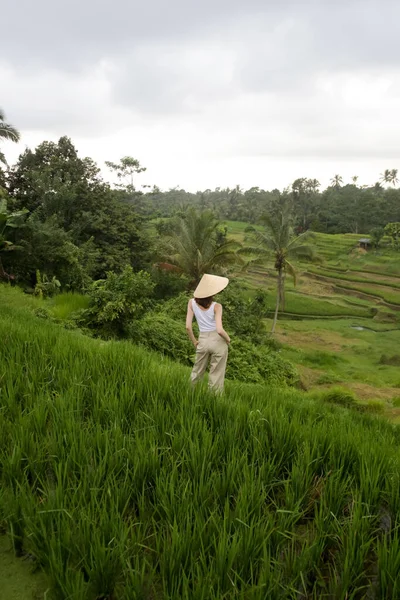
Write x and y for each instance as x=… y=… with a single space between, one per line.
x=189 y=321
x=218 y=321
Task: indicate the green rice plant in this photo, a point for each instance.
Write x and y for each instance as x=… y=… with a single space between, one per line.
x=65 y=305
x=126 y=482
x=374 y=407
x=327 y=378
x=388 y=555
x=338 y=395
x=321 y=359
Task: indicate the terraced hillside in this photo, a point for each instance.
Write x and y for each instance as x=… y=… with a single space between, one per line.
x=119 y=481
x=341 y=322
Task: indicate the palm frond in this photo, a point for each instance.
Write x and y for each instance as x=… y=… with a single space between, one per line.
x=290 y=269
x=8 y=132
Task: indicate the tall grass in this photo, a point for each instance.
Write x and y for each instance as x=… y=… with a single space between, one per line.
x=126 y=483
x=64 y=305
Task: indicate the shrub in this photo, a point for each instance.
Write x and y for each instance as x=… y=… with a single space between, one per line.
x=161 y=333
x=374 y=407
x=117 y=301
x=322 y=359
x=247 y=362
x=393 y=361
x=45 y=287
x=243 y=316
x=175 y=308
x=327 y=378
x=168 y=284
x=341 y=396
x=258 y=364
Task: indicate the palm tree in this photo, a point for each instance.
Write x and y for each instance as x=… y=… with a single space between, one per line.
x=279 y=240
x=393 y=177
x=386 y=176
x=354 y=179
x=336 y=181
x=7 y=132
x=198 y=246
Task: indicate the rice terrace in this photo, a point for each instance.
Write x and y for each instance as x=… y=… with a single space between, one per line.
x=119 y=479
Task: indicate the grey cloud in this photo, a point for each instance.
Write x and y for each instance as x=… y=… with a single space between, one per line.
x=93 y=67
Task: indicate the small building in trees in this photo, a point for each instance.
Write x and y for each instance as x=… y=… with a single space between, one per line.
x=364 y=243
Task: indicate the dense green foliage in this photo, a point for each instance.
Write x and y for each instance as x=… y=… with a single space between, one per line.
x=78 y=227
x=7 y=132
x=252 y=358
x=117 y=302
x=195 y=245
x=123 y=482
x=337 y=209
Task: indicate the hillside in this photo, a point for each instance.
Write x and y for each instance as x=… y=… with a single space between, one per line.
x=124 y=483
x=341 y=322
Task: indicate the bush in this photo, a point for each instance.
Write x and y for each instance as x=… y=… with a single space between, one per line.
x=341 y=396
x=258 y=364
x=246 y=362
x=161 y=333
x=373 y=407
x=322 y=359
x=117 y=301
x=243 y=316
x=175 y=308
x=393 y=361
x=168 y=284
x=327 y=378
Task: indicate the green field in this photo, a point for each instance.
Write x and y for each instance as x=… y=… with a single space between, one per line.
x=124 y=483
x=347 y=288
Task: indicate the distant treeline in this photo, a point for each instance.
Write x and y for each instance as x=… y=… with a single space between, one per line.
x=337 y=209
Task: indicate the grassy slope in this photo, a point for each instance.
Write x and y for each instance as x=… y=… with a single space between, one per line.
x=121 y=479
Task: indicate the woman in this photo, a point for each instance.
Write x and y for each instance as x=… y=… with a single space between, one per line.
x=213 y=340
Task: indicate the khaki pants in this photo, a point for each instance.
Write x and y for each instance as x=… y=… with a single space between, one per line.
x=211 y=346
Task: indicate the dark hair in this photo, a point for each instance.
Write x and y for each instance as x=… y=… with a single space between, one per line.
x=204 y=302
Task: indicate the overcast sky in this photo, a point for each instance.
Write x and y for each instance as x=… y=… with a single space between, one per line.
x=209 y=93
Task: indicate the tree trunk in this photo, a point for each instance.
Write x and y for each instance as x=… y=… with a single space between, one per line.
x=3 y=274
x=278 y=296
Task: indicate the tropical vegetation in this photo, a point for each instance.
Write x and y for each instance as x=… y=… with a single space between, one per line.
x=118 y=479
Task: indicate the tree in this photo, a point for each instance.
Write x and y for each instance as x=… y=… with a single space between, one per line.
x=392 y=230
x=393 y=177
x=58 y=186
x=354 y=179
x=390 y=176
x=117 y=301
x=126 y=170
x=337 y=181
x=279 y=240
x=304 y=192
x=376 y=236
x=8 y=221
x=197 y=247
x=7 y=132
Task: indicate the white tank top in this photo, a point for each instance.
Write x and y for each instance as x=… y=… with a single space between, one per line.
x=205 y=318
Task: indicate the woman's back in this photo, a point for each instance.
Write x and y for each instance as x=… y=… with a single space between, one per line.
x=205 y=318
